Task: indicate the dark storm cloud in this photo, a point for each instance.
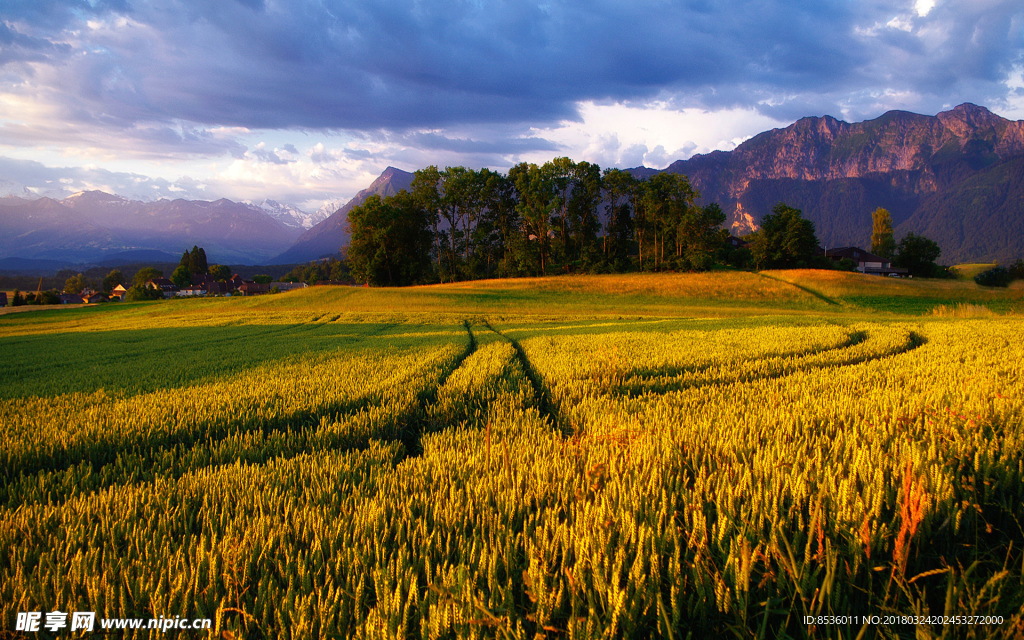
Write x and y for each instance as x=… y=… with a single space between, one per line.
x=403 y=65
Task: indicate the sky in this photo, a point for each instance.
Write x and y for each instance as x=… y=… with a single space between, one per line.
x=307 y=101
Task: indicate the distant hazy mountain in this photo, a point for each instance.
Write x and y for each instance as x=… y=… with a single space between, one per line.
x=957 y=178
x=328 y=237
x=87 y=226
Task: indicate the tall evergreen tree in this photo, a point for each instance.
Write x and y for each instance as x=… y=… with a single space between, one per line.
x=197 y=261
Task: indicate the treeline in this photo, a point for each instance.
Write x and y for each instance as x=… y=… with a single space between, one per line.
x=461 y=224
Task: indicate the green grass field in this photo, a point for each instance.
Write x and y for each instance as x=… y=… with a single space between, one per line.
x=650 y=455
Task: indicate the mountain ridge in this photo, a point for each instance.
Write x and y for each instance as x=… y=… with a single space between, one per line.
x=838 y=172
x=86 y=226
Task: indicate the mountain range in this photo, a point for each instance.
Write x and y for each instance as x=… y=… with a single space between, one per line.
x=957 y=178
x=88 y=226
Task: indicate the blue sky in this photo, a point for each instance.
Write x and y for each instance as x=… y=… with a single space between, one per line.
x=308 y=100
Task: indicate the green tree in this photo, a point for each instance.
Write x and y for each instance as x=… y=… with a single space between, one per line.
x=581 y=214
x=142 y=292
x=535 y=199
x=701 y=236
x=262 y=279
x=670 y=214
x=114 y=278
x=219 y=272
x=497 y=225
x=917 y=254
x=49 y=296
x=426 y=196
x=786 y=239
x=995 y=277
x=622 y=191
x=144 y=275
x=75 y=284
x=197 y=260
x=390 y=242
x=882 y=242
x=181 y=277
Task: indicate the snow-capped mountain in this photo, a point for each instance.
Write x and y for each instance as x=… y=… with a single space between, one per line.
x=327 y=210
x=290 y=216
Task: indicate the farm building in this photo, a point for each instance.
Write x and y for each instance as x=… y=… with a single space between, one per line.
x=866 y=262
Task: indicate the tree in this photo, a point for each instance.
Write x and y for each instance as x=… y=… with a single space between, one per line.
x=390 y=242
x=197 y=260
x=582 y=213
x=622 y=191
x=786 y=239
x=262 y=279
x=427 y=197
x=181 y=277
x=220 y=273
x=995 y=277
x=49 y=296
x=917 y=254
x=114 y=278
x=700 y=233
x=882 y=242
x=535 y=195
x=144 y=275
x=75 y=284
x=496 y=229
x=142 y=292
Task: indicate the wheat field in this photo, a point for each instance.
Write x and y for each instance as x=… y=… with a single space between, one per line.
x=580 y=458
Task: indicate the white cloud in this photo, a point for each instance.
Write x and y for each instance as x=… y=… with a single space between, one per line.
x=924 y=7
x=620 y=135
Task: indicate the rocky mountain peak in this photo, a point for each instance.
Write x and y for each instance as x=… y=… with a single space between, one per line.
x=970 y=120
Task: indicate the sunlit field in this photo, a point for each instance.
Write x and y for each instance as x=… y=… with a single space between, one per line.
x=735 y=454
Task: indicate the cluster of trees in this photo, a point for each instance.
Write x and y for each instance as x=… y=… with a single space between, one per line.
x=193 y=263
x=323 y=270
x=459 y=223
x=917 y=254
x=50 y=296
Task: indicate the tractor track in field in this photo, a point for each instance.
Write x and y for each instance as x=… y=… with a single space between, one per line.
x=540 y=392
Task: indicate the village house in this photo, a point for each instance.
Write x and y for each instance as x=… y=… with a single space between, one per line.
x=253 y=288
x=866 y=262
x=70 y=298
x=93 y=298
x=191 y=291
x=163 y=284
x=118 y=292
x=736 y=243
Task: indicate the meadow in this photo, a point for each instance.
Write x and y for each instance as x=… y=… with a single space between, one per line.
x=787 y=454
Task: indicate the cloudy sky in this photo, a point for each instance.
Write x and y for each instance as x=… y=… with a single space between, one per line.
x=308 y=100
